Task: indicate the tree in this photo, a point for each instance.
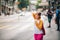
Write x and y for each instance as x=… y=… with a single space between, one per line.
x=23 y=4
x=38 y=2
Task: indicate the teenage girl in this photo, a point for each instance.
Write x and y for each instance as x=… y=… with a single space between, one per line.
x=39 y=28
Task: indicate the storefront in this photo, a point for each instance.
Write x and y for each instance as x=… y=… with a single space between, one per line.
x=7 y=6
x=44 y=4
x=54 y=3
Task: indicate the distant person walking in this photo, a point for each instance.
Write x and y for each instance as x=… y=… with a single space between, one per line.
x=58 y=18
x=50 y=14
x=39 y=28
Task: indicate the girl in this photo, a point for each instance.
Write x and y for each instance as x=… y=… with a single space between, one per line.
x=39 y=28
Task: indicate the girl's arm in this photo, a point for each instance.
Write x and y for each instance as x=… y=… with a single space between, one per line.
x=33 y=14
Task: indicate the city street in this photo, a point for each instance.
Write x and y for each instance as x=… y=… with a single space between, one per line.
x=17 y=27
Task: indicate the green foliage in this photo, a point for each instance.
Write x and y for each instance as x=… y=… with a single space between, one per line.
x=38 y=2
x=23 y=4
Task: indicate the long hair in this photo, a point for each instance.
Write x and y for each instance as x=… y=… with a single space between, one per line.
x=39 y=14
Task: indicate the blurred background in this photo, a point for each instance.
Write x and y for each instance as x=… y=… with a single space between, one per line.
x=16 y=21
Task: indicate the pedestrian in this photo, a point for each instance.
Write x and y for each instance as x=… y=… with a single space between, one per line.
x=8 y=13
x=0 y=11
x=57 y=18
x=38 y=27
x=49 y=14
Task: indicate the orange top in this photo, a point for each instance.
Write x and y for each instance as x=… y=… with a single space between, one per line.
x=40 y=24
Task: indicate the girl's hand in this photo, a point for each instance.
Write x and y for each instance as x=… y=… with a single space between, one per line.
x=33 y=14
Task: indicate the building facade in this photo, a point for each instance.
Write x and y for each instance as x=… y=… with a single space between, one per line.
x=54 y=3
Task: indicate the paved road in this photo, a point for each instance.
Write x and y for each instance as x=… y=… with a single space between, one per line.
x=21 y=28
